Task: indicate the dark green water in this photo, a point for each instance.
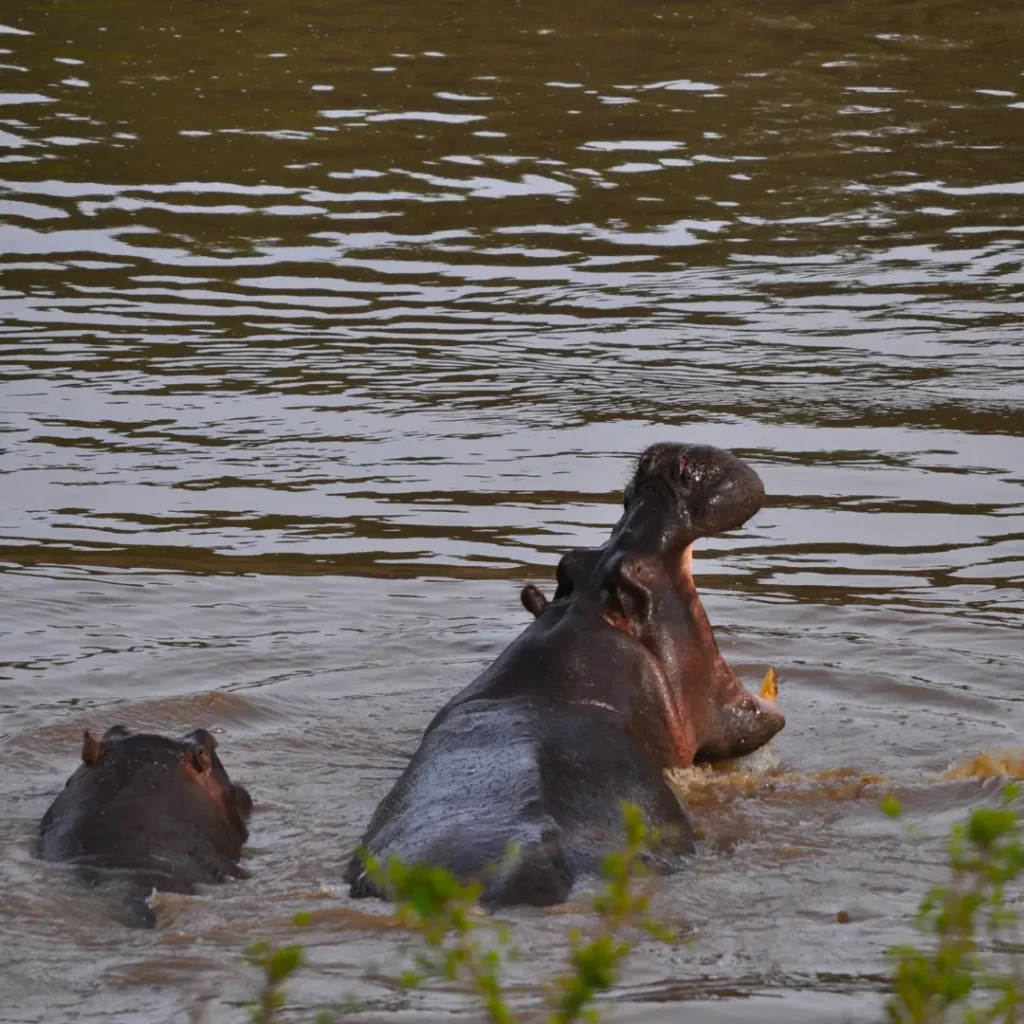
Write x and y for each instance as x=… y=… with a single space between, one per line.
x=325 y=325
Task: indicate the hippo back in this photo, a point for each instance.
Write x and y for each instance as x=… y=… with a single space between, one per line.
x=523 y=795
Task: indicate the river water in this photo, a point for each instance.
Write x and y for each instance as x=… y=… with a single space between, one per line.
x=324 y=326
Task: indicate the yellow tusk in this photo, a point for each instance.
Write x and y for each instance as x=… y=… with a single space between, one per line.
x=770 y=685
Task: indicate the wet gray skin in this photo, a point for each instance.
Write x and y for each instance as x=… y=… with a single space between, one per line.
x=145 y=812
x=616 y=680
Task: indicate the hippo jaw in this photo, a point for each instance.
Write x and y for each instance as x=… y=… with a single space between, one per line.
x=735 y=721
x=678 y=494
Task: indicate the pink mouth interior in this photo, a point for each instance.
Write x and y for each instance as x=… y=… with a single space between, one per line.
x=686 y=561
x=740 y=707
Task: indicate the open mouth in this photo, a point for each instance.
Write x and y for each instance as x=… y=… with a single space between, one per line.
x=738 y=721
x=686 y=561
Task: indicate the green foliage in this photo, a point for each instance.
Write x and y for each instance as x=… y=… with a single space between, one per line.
x=278 y=964
x=890 y=806
x=967 y=971
x=461 y=944
x=950 y=979
x=433 y=903
x=595 y=962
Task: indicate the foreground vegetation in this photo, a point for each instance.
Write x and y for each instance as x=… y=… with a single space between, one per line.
x=967 y=968
x=459 y=944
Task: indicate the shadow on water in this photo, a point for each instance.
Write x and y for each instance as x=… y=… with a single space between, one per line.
x=325 y=326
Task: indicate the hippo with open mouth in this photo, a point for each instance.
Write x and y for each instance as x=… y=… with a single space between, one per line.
x=519 y=779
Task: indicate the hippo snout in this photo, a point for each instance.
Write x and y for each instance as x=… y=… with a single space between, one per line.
x=739 y=728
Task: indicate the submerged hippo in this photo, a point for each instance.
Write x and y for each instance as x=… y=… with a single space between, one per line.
x=145 y=812
x=519 y=779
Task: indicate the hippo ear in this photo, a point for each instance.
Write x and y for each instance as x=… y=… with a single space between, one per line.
x=533 y=600
x=628 y=593
x=91 y=749
x=199 y=758
x=201 y=745
x=201 y=737
x=115 y=733
x=574 y=570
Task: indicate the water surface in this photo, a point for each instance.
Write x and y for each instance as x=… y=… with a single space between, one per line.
x=323 y=327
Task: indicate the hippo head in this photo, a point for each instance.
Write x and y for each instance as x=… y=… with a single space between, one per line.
x=642 y=581
x=173 y=772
